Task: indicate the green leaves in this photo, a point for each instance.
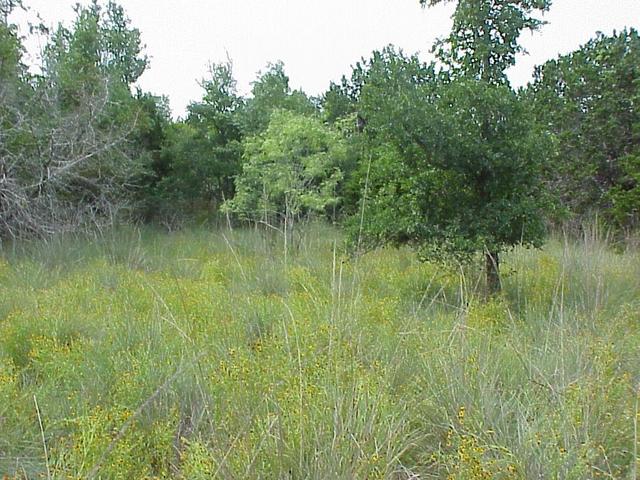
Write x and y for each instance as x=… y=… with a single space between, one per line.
x=484 y=40
x=67 y=156
x=589 y=99
x=456 y=163
x=271 y=91
x=201 y=154
x=290 y=170
x=100 y=52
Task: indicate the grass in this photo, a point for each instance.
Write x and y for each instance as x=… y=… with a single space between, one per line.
x=200 y=355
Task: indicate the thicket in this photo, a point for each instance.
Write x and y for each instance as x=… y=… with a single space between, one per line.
x=137 y=353
x=67 y=151
x=588 y=101
x=444 y=156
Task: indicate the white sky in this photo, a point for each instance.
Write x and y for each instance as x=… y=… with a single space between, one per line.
x=318 y=40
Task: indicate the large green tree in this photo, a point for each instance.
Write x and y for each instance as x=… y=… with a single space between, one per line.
x=483 y=42
x=85 y=97
x=290 y=171
x=202 y=154
x=455 y=166
x=589 y=100
x=70 y=159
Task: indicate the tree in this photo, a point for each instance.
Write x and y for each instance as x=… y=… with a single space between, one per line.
x=86 y=99
x=271 y=91
x=484 y=39
x=203 y=153
x=589 y=99
x=14 y=91
x=455 y=165
x=483 y=43
x=6 y=7
x=148 y=140
x=69 y=160
x=101 y=54
x=289 y=171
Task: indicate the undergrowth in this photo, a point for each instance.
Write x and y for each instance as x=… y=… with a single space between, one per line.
x=200 y=355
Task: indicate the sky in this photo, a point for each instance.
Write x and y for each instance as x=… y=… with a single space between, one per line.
x=318 y=40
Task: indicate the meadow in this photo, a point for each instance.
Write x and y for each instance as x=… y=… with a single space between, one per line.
x=201 y=354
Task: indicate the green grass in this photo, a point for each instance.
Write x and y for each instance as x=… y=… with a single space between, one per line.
x=200 y=355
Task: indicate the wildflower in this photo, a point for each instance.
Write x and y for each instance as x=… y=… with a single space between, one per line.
x=461 y=413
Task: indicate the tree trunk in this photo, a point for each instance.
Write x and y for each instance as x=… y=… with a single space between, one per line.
x=492 y=266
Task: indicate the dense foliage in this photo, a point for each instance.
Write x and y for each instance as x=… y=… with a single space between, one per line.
x=443 y=156
x=66 y=155
x=589 y=100
x=290 y=170
x=456 y=164
x=130 y=352
x=466 y=171
x=202 y=154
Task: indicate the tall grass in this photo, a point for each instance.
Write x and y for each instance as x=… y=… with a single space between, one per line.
x=201 y=354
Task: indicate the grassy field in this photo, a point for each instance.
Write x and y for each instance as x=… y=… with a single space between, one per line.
x=201 y=355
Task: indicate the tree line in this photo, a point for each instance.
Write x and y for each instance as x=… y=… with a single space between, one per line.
x=445 y=156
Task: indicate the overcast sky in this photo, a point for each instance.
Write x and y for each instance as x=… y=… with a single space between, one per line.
x=318 y=40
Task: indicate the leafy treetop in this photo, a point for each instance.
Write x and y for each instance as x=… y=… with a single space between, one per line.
x=483 y=42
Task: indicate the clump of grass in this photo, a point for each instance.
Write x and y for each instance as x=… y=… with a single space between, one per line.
x=201 y=354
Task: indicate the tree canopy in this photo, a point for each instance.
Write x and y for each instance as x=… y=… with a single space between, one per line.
x=289 y=171
x=588 y=100
x=67 y=158
x=483 y=42
x=445 y=156
x=271 y=91
x=202 y=154
x=455 y=163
